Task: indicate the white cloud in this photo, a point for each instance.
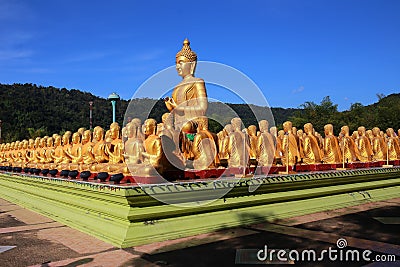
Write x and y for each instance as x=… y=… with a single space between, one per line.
x=298 y=90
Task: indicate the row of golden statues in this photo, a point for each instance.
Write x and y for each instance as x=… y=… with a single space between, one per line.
x=139 y=148
x=182 y=140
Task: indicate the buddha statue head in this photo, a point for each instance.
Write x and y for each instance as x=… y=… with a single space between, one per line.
x=114 y=130
x=50 y=142
x=361 y=131
x=86 y=137
x=98 y=133
x=57 y=140
x=66 y=138
x=287 y=126
x=376 y=131
x=308 y=128
x=263 y=125
x=76 y=138
x=345 y=131
x=252 y=130
x=37 y=142
x=81 y=130
x=236 y=124
x=25 y=144
x=228 y=129
x=186 y=60
x=202 y=123
x=168 y=120
x=150 y=126
x=328 y=129
x=273 y=130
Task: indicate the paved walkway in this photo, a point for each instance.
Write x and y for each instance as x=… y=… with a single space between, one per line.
x=30 y=239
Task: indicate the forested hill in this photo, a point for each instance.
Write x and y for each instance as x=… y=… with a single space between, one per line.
x=28 y=110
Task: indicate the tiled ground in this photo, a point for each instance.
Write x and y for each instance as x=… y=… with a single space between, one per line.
x=39 y=241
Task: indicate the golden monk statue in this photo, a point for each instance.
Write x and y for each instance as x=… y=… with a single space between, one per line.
x=155 y=160
x=348 y=146
x=238 y=145
x=364 y=145
x=290 y=150
x=252 y=135
x=379 y=148
x=99 y=150
x=134 y=145
x=48 y=156
x=75 y=152
x=205 y=146
x=115 y=149
x=312 y=154
x=189 y=97
x=66 y=146
x=392 y=144
x=58 y=153
x=265 y=147
x=223 y=144
x=87 y=151
x=332 y=152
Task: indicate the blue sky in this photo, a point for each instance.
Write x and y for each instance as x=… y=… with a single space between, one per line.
x=295 y=51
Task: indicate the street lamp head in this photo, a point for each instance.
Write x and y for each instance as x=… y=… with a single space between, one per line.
x=113 y=96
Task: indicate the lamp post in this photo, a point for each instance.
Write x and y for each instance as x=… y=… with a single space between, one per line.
x=90 y=114
x=113 y=97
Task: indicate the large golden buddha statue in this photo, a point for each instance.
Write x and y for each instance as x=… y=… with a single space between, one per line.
x=189 y=97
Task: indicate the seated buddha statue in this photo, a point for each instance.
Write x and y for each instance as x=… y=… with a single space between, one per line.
x=75 y=152
x=87 y=158
x=348 y=146
x=57 y=153
x=252 y=135
x=48 y=154
x=115 y=149
x=331 y=151
x=133 y=147
x=238 y=146
x=34 y=154
x=392 y=145
x=42 y=152
x=378 y=145
x=312 y=154
x=23 y=154
x=154 y=160
x=189 y=97
x=265 y=146
x=99 y=150
x=205 y=146
x=364 y=145
x=66 y=146
x=290 y=149
x=14 y=153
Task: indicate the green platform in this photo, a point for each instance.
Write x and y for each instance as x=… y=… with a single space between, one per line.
x=128 y=215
